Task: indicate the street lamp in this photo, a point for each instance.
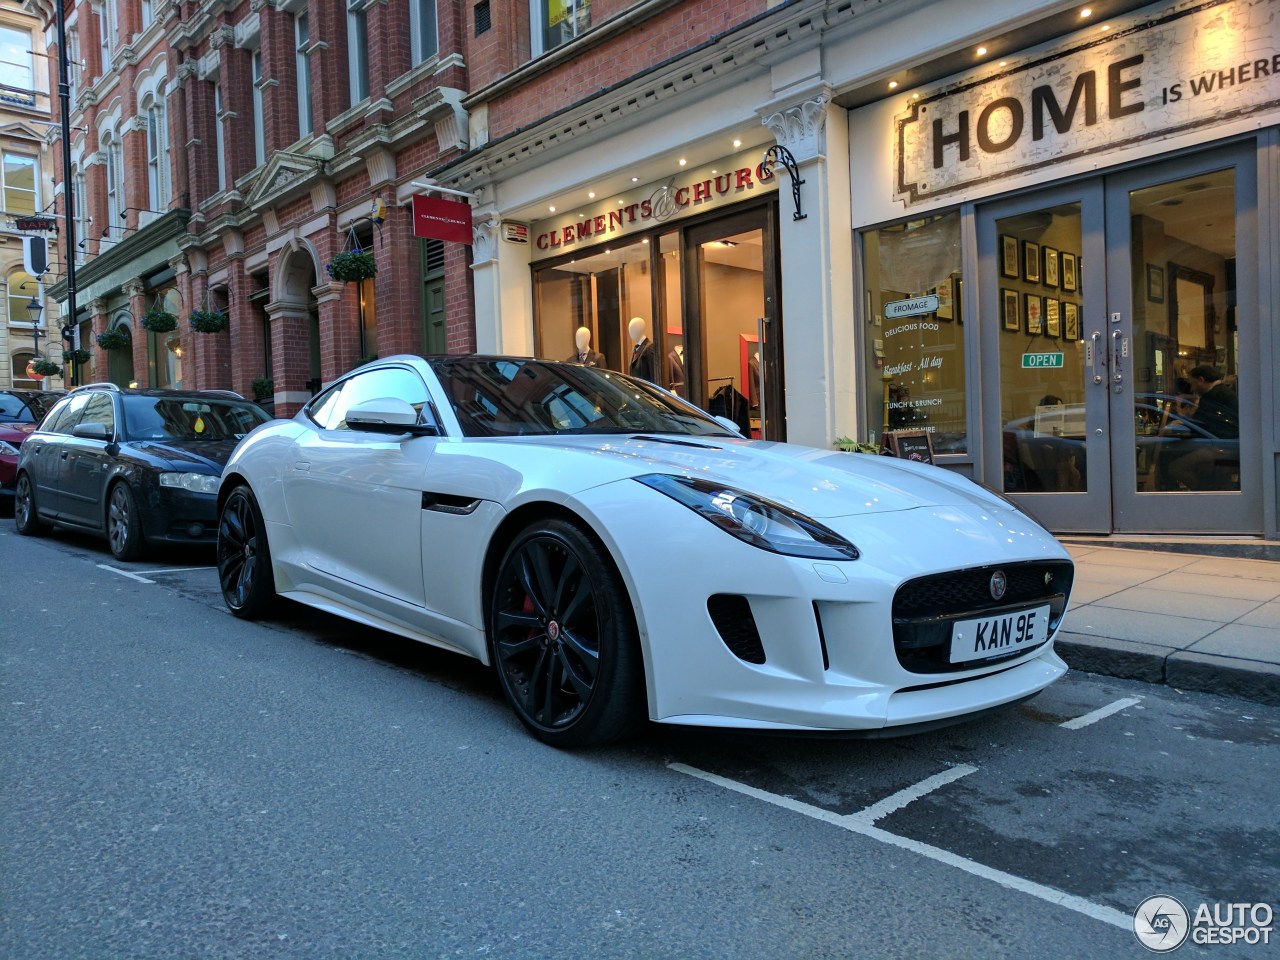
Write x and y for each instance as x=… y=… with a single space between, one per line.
x=34 y=309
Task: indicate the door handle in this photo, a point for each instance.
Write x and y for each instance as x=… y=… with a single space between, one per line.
x=1117 y=373
x=1094 y=354
x=302 y=465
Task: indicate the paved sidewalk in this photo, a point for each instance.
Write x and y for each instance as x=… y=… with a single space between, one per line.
x=1194 y=622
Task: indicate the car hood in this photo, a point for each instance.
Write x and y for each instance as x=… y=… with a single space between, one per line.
x=199 y=456
x=15 y=433
x=819 y=483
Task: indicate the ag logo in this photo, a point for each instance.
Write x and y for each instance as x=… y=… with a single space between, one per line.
x=998 y=585
x=1161 y=924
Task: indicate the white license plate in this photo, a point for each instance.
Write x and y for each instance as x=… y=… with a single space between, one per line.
x=999 y=634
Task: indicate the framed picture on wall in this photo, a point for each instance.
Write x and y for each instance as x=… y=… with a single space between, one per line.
x=1030 y=261
x=1009 y=257
x=1050 y=267
x=1034 y=312
x=946 y=300
x=1070 y=321
x=1012 y=316
x=1052 y=317
x=1069 y=272
x=1155 y=283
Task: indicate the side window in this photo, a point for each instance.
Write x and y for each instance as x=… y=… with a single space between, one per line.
x=101 y=410
x=321 y=409
x=65 y=416
x=396 y=382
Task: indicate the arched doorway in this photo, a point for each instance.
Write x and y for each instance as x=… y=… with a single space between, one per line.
x=120 y=360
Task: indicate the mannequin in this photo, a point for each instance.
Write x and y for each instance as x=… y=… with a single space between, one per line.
x=675 y=369
x=642 y=364
x=585 y=355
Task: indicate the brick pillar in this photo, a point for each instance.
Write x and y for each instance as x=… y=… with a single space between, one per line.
x=236 y=71
x=201 y=145
x=137 y=294
x=182 y=279
x=290 y=354
x=280 y=92
x=459 y=299
x=98 y=321
x=388 y=27
x=330 y=79
x=339 y=306
x=399 y=300
x=244 y=328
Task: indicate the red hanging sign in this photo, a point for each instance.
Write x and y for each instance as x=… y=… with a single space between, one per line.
x=435 y=218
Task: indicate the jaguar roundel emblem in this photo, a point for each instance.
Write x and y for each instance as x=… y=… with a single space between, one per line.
x=999 y=584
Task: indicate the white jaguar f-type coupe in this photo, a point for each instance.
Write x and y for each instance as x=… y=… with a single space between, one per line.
x=617 y=554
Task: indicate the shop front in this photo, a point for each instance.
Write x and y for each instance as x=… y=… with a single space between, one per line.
x=675 y=282
x=1067 y=271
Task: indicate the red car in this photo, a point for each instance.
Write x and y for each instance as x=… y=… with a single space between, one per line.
x=20 y=412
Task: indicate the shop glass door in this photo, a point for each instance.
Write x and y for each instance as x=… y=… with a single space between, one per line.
x=1117 y=327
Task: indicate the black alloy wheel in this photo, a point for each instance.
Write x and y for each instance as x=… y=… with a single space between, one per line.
x=563 y=638
x=244 y=559
x=25 y=516
x=124 y=526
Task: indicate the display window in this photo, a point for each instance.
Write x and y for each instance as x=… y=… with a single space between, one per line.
x=914 y=364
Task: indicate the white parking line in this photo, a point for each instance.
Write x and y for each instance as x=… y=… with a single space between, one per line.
x=855 y=823
x=1100 y=714
x=124 y=573
x=171 y=570
x=900 y=799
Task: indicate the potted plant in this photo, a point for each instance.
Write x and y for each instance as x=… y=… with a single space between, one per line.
x=75 y=356
x=264 y=388
x=208 y=321
x=159 y=321
x=45 y=367
x=352 y=266
x=117 y=338
x=850 y=445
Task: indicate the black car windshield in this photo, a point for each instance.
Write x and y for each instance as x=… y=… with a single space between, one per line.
x=26 y=406
x=189 y=418
x=500 y=397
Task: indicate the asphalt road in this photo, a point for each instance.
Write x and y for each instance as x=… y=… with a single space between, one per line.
x=179 y=784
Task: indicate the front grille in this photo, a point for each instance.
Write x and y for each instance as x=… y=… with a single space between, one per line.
x=732 y=617
x=924 y=609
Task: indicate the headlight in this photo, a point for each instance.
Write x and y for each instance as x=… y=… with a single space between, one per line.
x=195 y=482
x=8 y=449
x=754 y=520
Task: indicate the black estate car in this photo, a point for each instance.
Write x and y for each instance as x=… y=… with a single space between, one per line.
x=135 y=466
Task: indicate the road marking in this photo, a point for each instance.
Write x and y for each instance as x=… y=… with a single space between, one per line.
x=1100 y=714
x=124 y=573
x=900 y=799
x=856 y=824
x=172 y=570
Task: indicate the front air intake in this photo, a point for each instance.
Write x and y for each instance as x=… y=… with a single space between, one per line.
x=732 y=617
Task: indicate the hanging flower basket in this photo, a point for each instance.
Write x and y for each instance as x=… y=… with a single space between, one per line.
x=75 y=356
x=159 y=321
x=46 y=368
x=208 y=321
x=117 y=338
x=352 y=266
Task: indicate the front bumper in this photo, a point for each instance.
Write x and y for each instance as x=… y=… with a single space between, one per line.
x=823 y=639
x=177 y=516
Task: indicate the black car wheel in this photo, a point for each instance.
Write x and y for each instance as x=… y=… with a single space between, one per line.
x=24 y=508
x=244 y=558
x=563 y=638
x=124 y=526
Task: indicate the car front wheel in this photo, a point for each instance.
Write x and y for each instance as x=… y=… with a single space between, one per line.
x=124 y=526
x=24 y=508
x=563 y=638
x=244 y=559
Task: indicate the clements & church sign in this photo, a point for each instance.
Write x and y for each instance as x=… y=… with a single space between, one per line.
x=698 y=191
x=1194 y=65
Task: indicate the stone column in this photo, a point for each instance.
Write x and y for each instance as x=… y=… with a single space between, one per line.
x=137 y=294
x=503 y=290
x=817 y=266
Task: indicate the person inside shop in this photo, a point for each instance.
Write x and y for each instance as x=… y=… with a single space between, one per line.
x=642 y=363
x=1218 y=414
x=584 y=354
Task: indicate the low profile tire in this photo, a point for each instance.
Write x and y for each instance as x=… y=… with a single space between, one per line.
x=25 y=516
x=563 y=638
x=124 y=526
x=244 y=559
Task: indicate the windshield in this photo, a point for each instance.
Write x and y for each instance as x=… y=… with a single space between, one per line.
x=189 y=418
x=24 y=407
x=500 y=397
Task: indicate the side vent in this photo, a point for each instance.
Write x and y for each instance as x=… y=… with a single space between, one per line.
x=732 y=617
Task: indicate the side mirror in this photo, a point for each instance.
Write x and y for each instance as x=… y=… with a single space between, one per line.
x=728 y=425
x=91 y=431
x=388 y=415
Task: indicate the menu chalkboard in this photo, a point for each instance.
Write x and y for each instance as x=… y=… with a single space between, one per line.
x=910 y=445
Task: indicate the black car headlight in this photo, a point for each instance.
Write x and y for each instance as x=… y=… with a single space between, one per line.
x=754 y=520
